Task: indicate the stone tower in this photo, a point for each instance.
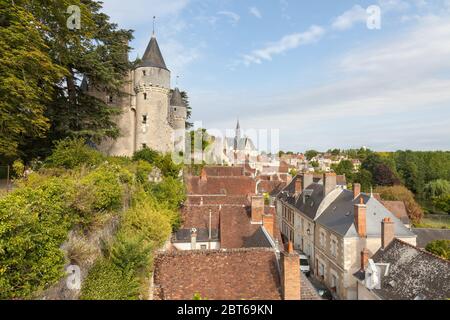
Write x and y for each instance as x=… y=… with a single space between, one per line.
x=151 y=117
x=178 y=111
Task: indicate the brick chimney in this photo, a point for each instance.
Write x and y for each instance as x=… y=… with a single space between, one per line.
x=329 y=182
x=364 y=259
x=257 y=209
x=290 y=275
x=203 y=176
x=298 y=186
x=268 y=223
x=360 y=218
x=308 y=179
x=356 y=190
x=193 y=239
x=387 y=232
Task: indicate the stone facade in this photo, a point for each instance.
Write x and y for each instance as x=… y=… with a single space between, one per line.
x=152 y=115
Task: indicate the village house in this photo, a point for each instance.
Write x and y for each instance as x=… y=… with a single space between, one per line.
x=350 y=223
x=400 y=271
x=300 y=203
x=331 y=225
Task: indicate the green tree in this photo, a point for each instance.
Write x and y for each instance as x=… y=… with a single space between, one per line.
x=437 y=188
x=401 y=193
x=27 y=78
x=311 y=154
x=364 y=177
x=345 y=167
x=440 y=248
x=98 y=52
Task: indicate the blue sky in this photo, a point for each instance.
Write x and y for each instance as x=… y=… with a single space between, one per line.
x=311 y=69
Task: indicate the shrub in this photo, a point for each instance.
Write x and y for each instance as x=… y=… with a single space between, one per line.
x=143 y=169
x=442 y=203
x=170 y=191
x=106 y=187
x=440 y=248
x=131 y=253
x=106 y=281
x=18 y=168
x=151 y=221
x=34 y=222
x=72 y=153
x=163 y=162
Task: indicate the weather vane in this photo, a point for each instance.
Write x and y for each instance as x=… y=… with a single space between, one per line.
x=154 y=18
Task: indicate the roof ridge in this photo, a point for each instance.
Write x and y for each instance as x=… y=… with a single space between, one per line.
x=217 y=251
x=418 y=249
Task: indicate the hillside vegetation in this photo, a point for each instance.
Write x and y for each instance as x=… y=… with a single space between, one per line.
x=103 y=214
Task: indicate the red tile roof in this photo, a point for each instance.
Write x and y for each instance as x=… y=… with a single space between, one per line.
x=249 y=274
x=221 y=185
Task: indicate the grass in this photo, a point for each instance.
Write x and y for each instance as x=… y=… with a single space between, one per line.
x=434 y=222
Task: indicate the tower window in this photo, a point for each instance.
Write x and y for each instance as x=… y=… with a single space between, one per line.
x=145 y=96
x=144 y=119
x=144 y=146
x=144 y=73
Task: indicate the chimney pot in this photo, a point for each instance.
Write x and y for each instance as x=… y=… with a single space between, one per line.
x=387 y=232
x=329 y=182
x=193 y=239
x=298 y=186
x=291 y=274
x=360 y=218
x=308 y=180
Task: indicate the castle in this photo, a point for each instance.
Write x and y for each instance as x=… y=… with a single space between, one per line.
x=153 y=116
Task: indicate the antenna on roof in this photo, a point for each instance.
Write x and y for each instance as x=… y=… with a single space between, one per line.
x=154 y=19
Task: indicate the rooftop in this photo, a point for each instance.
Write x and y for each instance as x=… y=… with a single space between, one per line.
x=239 y=274
x=412 y=273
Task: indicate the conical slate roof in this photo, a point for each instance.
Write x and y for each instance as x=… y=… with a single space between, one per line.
x=177 y=99
x=152 y=56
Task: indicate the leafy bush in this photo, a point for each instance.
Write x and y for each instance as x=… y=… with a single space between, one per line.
x=150 y=220
x=72 y=153
x=440 y=248
x=163 y=162
x=106 y=281
x=401 y=193
x=147 y=154
x=170 y=191
x=143 y=169
x=34 y=222
x=106 y=187
x=442 y=203
x=131 y=253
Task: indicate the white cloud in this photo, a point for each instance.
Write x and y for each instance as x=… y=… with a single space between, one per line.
x=255 y=11
x=349 y=18
x=232 y=16
x=288 y=42
x=389 y=95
